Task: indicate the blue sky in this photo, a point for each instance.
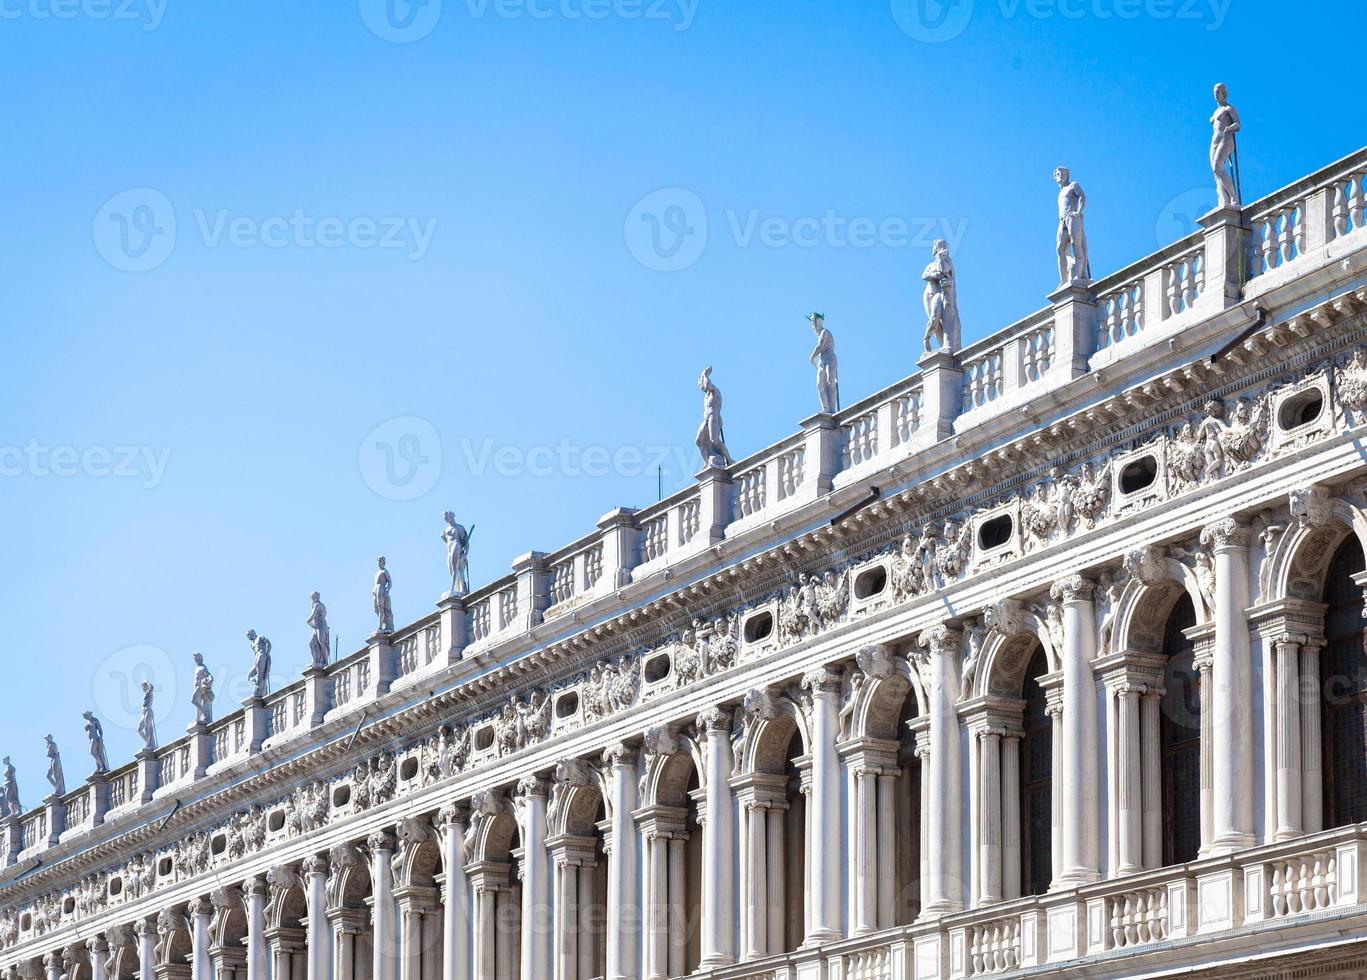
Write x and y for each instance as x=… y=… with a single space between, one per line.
x=240 y=239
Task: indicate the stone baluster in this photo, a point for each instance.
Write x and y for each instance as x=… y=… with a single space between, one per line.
x=451 y=824
x=719 y=841
x=945 y=886
x=1081 y=745
x=536 y=904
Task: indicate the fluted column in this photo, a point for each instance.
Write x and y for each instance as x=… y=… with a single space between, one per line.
x=1232 y=689
x=755 y=882
x=1129 y=783
x=887 y=848
x=1151 y=740
x=485 y=930
x=940 y=658
x=536 y=885
x=657 y=927
x=990 y=848
x=1011 y=821
x=678 y=882
x=567 y=905
x=1054 y=709
x=777 y=877
x=1081 y=744
x=254 y=909
x=455 y=893
x=824 y=843
x=623 y=897
x=719 y=842
x=865 y=873
x=383 y=924
x=200 y=911
x=1312 y=775
x=1288 y=727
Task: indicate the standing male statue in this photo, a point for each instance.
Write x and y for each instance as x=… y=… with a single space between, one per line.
x=94 y=731
x=827 y=368
x=1224 y=148
x=320 y=643
x=55 y=776
x=1072 y=202
x=9 y=793
x=941 y=300
x=147 y=726
x=202 y=694
x=711 y=438
x=260 y=674
x=380 y=594
x=457 y=554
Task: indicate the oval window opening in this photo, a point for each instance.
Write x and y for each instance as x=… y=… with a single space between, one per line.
x=26 y=922
x=219 y=844
x=996 y=532
x=277 y=821
x=658 y=668
x=484 y=738
x=1301 y=410
x=341 y=796
x=759 y=627
x=567 y=705
x=115 y=887
x=68 y=905
x=871 y=583
x=1138 y=475
x=409 y=769
x=164 y=867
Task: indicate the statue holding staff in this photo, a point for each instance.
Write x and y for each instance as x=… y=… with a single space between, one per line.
x=379 y=594
x=94 y=731
x=711 y=439
x=1224 y=149
x=941 y=300
x=827 y=367
x=320 y=642
x=1072 y=234
x=457 y=554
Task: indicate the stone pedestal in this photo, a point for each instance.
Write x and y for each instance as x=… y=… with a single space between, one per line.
x=98 y=785
x=1075 y=326
x=455 y=630
x=621 y=545
x=13 y=837
x=382 y=664
x=942 y=396
x=149 y=774
x=533 y=589
x=201 y=750
x=56 y=819
x=714 y=510
x=317 y=695
x=258 y=723
x=821 y=439
x=1226 y=269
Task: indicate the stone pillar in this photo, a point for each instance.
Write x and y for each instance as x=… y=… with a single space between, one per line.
x=1232 y=686
x=865 y=872
x=990 y=845
x=258 y=721
x=254 y=907
x=1203 y=664
x=621 y=536
x=200 y=912
x=755 y=880
x=1312 y=775
x=536 y=895
x=485 y=929
x=714 y=511
x=97 y=948
x=317 y=695
x=1129 y=783
x=719 y=841
x=623 y=898
x=1288 y=728
x=1054 y=709
x=383 y=667
x=567 y=929
x=454 y=622
x=824 y=844
x=1081 y=744
x=657 y=931
x=147 y=937
x=346 y=925
x=1075 y=329
x=945 y=885
x=383 y=927
x=821 y=460
x=942 y=397
x=1226 y=258
x=149 y=775
x=678 y=882
x=451 y=824
x=1011 y=820
x=319 y=940
x=533 y=593
x=1151 y=739
x=201 y=749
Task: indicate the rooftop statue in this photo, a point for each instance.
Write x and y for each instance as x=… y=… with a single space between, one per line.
x=1224 y=148
x=320 y=642
x=202 y=694
x=457 y=554
x=711 y=438
x=94 y=731
x=827 y=367
x=260 y=674
x=147 y=726
x=55 y=776
x=9 y=792
x=1072 y=202
x=384 y=612
x=941 y=300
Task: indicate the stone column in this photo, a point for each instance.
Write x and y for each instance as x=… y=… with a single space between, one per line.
x=1232 y=689
x=678 y=935
x=945 y=887
x=1129 y=783
x=887 y=848
x=536 y=895
x=200 y=911
x=1312 y=775
x=1288 y=727
x=719 y=841
x=567 y=929
x=52 y=966
x=346 y=924
x=865 y=873
x=1151 y=739
x=657 y=911
x=383 y=927
x=824 y=846
x=455 y=894
x=1202 y=663
x=990 y=846
x=1081 y=745
x=623 y=898
x=319 y=940
x=147 y=937
x=97 y=948
x=1054 y=709
x=778 y=861
x=1011 y=822
x=754 y=882
x=485 y=930
x=254 y=907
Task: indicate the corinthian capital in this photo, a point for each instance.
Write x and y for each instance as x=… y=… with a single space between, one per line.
x=1074 y=588
x=1225 y=533
x=822 y=680
x=714 y=721
x=941 y=640
x=531 y=786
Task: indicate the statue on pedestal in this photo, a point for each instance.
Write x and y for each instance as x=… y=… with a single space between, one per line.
x=384 y=612
x=1072 y=202
x=320 y=643
x=147 y=726
x=260 y=674
x=94 y=731
x=202 y=693
x=827 y=368
x=457 y=554
x=9 y=792
x=55 y=775
x=1224 y=149
x=941 y=300
x=711 y=439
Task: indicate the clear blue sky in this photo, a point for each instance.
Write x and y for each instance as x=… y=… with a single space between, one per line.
x=514 y=310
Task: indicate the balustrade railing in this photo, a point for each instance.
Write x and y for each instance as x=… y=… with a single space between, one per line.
x=861 y=439
x=1137 y=918
x=751 y=492
x=1278 y=236
x=994 y=947
x=1302 y=883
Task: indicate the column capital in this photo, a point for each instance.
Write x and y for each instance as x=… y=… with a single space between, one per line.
x=1073 y=588
x=454 y=814
x=201 y=906
x=621 y=755
x=314 y=864
x=255 y=885
x=821 y=681
x=1226 y=533
x=941 y=640
x=531 y=787
x=714 y=720
x=380 y=840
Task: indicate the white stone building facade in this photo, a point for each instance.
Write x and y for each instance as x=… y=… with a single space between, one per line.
x=1047 y=659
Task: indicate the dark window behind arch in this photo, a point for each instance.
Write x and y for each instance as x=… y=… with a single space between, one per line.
x=1036 y=768
x=1343 y=679
x=1180 y=737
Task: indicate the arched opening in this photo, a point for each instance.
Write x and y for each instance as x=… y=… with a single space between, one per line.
x=228 y=936
x=497 y=895
x=416 y=865
x=906 y=840
x=581 y=880
x=348 y=889
x=286 y=939
x=1180 y=738
x=1343 y=673
x=673 y=867
x=1036 y=787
